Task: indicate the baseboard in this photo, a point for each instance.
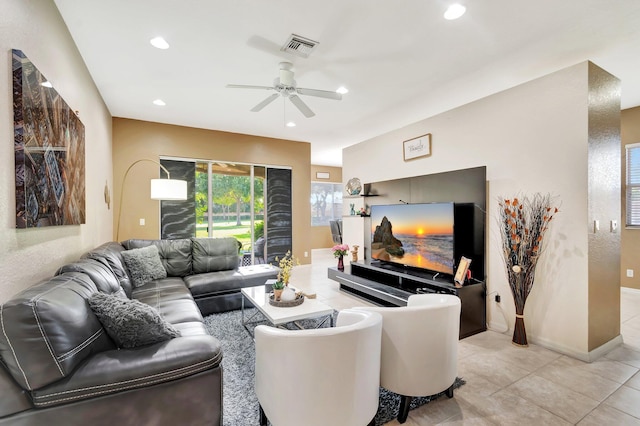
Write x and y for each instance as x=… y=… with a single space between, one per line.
x=498 y=327
x=591 y=356
x=629 y=290
x=582 y=356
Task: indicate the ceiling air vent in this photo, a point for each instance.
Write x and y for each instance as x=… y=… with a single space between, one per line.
x=299 y=46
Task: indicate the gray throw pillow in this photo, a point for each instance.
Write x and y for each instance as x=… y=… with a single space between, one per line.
x=129 y=322
x=144 y=265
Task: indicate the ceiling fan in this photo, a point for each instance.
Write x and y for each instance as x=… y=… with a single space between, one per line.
x=284 y=85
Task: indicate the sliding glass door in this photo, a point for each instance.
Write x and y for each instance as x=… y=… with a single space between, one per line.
x=251 y=203
x=230 y=203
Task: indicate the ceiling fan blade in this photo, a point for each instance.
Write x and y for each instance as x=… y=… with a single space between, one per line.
x=327 y=94
x=265 y=102
x=304 y=109
x=242 y=86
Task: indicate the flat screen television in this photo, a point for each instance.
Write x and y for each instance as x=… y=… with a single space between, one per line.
x=415 y=235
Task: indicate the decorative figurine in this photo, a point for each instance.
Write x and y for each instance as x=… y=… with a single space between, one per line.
x=353 y=209
x=354 y=253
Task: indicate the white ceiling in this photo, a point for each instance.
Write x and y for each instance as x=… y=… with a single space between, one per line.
x=401 y=61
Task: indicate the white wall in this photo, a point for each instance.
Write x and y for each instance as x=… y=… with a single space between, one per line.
x=532 y=138
x=29 y=255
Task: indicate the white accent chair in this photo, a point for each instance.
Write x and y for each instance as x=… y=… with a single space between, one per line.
x=320 y=377
x=419 y=347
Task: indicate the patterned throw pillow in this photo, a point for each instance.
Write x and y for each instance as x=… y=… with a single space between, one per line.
x=144 y=265
x=129 y=322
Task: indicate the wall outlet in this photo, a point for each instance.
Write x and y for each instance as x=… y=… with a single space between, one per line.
x=629 y=273
x=142 y=221
x=306 y=254
x=497 y=298
x=596 y=225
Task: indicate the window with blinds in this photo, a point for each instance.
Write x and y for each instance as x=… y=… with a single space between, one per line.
x=633 y=184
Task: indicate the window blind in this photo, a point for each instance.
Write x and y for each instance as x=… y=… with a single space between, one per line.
x=633 y=184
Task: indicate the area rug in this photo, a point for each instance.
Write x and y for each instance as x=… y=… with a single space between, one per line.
x=240 y=404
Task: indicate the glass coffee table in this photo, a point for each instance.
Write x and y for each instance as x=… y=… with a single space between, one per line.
x=276 y=316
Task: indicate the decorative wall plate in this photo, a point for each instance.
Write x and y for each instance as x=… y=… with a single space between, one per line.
x=353 y=186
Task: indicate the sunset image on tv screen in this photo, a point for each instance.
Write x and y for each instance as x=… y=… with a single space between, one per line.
x=416 y=235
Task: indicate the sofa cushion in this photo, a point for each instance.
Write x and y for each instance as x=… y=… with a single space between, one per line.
x=214 y=282
x=144 y=265
x=171 y=298
x=174 y=254
x=148 y=367
x=202 y=285
x=110 y=254
x=130 y=323
x=214 y=254
x=101 y=275
x=47 y=330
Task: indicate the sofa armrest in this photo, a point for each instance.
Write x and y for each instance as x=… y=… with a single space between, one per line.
x=120 y=370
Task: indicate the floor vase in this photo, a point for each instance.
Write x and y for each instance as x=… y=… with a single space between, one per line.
x=519 y=332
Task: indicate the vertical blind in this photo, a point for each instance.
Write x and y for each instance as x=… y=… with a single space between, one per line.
x=633 y=184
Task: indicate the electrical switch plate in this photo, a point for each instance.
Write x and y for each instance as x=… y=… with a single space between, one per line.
x=596 y=225
x=142 y=221
x=629 y=273
x=614 y=225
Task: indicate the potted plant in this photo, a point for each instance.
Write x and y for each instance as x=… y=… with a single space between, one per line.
x=278 y=287
x=286 y=265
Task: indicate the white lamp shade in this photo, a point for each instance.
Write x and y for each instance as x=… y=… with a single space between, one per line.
x=168 y=189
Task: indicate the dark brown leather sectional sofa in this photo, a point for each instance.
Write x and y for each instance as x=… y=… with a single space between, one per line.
x=60 y=367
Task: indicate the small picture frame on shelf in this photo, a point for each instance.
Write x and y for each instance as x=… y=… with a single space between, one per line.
x=461 y=273
x=417 y=147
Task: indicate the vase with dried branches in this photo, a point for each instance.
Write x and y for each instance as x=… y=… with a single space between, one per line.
x=523 y=223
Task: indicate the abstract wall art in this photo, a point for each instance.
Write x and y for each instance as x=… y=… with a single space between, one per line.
x=49 y=151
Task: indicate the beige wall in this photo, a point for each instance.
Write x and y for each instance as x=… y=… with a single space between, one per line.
x=630 y=259
x=321 y=235
x=133 y=140
x=532 y=138
x=29 y=255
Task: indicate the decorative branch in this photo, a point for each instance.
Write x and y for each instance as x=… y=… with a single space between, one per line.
x=523 y=224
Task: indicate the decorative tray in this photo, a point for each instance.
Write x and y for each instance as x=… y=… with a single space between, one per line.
x=286 y=304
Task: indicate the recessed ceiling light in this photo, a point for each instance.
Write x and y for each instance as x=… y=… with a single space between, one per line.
x=159 y=102
x=46 y=84
x=342 y=90
x=454 y=11
x=159 y=42
x=291 y=124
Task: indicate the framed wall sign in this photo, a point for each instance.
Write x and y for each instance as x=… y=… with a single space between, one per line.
x=417 y=147
x=322 y=175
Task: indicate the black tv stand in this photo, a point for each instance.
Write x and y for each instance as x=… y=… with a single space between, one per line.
x=390 y=285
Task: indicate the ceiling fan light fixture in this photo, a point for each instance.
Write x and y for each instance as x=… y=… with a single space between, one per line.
x=159 y=42
x=285 y=86
x=454 y=11
x=342 y=90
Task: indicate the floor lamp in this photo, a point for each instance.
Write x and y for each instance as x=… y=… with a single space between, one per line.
x=161 y=189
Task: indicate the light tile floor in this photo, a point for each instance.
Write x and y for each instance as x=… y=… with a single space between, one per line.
x=507 y=385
